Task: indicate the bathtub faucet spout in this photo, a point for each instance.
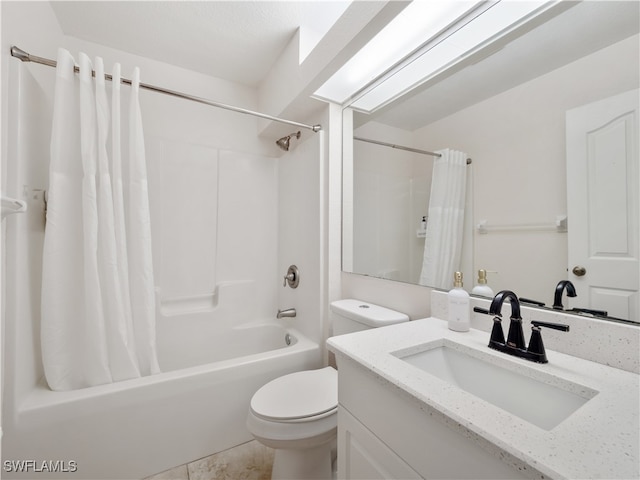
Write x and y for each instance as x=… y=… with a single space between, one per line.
x=289 y=312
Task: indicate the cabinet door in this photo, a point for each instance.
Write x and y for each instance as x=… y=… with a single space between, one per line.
x=363 y=456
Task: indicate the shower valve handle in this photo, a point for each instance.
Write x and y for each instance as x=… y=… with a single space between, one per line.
x=292 y=277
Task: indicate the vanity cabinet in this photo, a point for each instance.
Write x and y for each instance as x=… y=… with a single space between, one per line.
x=362 y=455
x=401 y=416
x=384 y=433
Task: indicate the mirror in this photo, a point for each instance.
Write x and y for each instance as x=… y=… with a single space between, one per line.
x=506 y=108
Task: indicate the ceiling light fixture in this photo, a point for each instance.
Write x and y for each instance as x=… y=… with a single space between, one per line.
x=405 y=33
x=455 y=30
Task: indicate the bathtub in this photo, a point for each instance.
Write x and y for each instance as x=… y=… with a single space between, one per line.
x=132 y=429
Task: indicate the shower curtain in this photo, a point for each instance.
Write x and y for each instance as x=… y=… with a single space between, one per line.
x=98 y=303
x=443 y=240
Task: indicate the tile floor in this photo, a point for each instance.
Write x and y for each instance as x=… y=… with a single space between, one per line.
x=249 y=461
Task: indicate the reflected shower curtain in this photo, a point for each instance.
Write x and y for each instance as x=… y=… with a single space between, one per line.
x=443 y=240
x=98 y=304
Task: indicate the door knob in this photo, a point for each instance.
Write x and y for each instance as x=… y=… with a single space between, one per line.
x=579 y=271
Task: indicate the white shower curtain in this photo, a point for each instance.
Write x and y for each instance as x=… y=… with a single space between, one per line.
x=445 y=223
x=98 y=305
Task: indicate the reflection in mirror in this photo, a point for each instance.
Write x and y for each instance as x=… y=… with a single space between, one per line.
x=393 y=189
x=516 y=110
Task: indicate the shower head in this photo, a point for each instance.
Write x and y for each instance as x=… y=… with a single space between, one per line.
x=284 y=142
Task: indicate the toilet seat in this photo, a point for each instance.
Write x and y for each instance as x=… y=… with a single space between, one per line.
x=298 y=397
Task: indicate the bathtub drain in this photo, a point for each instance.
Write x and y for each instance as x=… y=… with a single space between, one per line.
x=287 y=339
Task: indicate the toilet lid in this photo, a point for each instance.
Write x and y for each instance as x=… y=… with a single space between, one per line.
x=298 y=395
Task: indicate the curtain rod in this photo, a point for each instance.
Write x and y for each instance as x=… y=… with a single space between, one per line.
x=26 y=57
x=400 y=147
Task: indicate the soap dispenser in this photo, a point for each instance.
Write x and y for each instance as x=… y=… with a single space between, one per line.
x=459 y=306
x=482 y=288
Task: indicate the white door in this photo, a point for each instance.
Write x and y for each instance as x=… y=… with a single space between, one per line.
x=603 y=205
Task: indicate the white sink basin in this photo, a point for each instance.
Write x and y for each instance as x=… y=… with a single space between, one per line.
x=530 y=399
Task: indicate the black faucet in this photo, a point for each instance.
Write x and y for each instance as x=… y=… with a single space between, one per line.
x=515 y=344
x=515 y=338
x=557 y=298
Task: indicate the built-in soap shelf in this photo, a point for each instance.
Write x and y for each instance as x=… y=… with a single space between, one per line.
x=12 y=205
x=227 y=299
x=171 y=307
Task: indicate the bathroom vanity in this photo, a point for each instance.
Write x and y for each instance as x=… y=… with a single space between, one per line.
x=417 y=400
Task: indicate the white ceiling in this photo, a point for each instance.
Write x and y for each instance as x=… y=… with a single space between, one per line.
x=235 y=40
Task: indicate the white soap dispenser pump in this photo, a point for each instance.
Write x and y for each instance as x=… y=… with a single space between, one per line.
x=482 y=288
x=459 y=306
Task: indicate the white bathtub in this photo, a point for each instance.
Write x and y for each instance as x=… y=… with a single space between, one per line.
x=132 y=429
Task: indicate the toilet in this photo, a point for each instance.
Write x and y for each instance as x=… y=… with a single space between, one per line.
x=297 y=414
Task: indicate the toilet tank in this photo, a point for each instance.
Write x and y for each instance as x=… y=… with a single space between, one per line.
x=350 y=315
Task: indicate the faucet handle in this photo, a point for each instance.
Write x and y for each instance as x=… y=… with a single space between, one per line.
x=535 y=342
x=555 y=326
x=497 y=334
x=536 y=346
x=292 y=277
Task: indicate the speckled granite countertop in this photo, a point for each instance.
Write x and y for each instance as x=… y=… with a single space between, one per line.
x=599 y=440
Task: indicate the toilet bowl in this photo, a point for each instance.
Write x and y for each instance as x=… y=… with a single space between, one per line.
x=297 y=414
